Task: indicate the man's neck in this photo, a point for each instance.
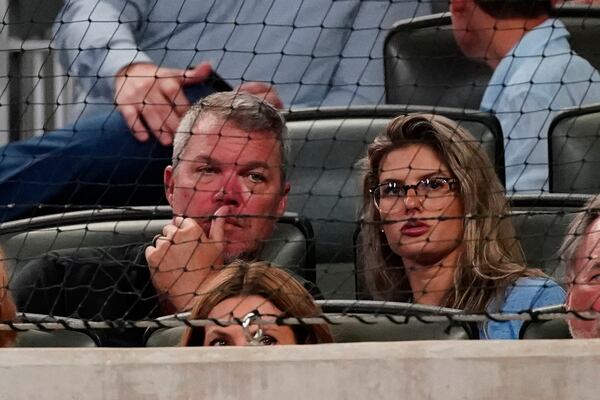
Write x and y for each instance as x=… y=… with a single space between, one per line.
x=506 y=34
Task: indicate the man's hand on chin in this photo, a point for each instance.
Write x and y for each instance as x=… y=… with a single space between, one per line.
x=184 y=257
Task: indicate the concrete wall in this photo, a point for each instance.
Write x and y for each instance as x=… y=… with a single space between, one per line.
x=407 y=370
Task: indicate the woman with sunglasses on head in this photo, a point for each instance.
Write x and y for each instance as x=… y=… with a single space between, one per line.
x=436 y=229
x=254 y=296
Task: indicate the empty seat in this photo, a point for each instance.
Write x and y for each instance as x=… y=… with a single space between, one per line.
x=574 y=141
x=424 y=65
x=325 y=145
x=291 y=244
x=541 y=224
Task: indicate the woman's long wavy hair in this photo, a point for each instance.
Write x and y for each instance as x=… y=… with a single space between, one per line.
x=273 y=283
x=491 y=258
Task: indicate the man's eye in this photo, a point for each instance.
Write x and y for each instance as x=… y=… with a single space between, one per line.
x=256 y=177
x=218 y=342
x=206 y=170
x=268 y=340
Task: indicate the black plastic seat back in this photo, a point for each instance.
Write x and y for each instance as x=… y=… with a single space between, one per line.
x=574 y=142
x=541 y=224
x=53 y=338
x=291 y=245
x=424 y=65
x=539 y=328
x=375 y=321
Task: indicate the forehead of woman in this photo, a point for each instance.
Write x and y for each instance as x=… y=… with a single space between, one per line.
x=414 y=161
x=240 y=306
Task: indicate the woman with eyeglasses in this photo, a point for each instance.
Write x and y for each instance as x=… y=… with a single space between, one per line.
x=254 y=297
x=436 y=228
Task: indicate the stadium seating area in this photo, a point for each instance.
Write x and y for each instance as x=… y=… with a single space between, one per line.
x=317 y=237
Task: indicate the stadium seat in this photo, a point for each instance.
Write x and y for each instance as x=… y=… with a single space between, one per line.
x=423 y=64
x=325 y=146
x=367 y=321
x=546 y=328
x=574 y=142
x=541 y=223
x=53 y=338
x=292 y=244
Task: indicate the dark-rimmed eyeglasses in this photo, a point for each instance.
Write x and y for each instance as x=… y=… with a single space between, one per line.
x=433 y=192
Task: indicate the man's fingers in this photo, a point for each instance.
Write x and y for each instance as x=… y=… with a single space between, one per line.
x=198 y=74
x=217 y=228
x=181 y=104
x=132 y=118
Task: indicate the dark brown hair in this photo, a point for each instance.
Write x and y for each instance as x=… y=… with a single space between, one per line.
x=273 y=283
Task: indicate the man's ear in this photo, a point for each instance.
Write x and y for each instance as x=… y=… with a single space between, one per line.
x=283 y=201
x=169 y=184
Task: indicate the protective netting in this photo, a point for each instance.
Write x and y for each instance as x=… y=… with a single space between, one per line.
x=470 y=218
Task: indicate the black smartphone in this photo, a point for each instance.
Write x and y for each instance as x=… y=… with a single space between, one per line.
x=214 y=83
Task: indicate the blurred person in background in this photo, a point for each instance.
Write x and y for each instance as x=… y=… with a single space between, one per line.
x=536 y=74
x=139 y=64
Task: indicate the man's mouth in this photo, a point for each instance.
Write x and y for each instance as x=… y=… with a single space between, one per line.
x=234 y=222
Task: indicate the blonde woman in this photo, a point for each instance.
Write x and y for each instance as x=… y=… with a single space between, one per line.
x=247 y=292
x=436 y=228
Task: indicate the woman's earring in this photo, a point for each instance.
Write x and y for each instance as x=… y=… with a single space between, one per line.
x=382 y=231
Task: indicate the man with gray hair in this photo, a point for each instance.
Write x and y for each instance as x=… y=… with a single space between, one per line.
x=226 y=186
x=581 y=254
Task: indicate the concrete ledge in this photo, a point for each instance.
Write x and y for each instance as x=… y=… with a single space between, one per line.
x=403 y=370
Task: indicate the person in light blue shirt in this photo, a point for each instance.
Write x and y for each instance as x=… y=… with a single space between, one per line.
x=523 y=296
x=136 y=62
x=436 y=228
x=536 y=74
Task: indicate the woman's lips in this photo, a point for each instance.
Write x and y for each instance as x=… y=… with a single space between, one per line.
x=414 y=229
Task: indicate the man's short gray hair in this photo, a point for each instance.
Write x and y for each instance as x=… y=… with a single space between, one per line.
x=245 y=111
x=575 y=234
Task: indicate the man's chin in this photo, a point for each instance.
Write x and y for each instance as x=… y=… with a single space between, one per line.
x=245 y=251
x=584 y=329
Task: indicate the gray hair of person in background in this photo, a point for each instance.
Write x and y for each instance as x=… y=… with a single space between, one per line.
x=576 y=233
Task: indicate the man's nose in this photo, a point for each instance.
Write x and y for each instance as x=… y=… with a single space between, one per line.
x=231 y=191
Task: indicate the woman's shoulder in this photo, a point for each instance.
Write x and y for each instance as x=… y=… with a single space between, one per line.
x=532 y=292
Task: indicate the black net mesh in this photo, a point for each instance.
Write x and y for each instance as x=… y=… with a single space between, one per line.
x=455 y=233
